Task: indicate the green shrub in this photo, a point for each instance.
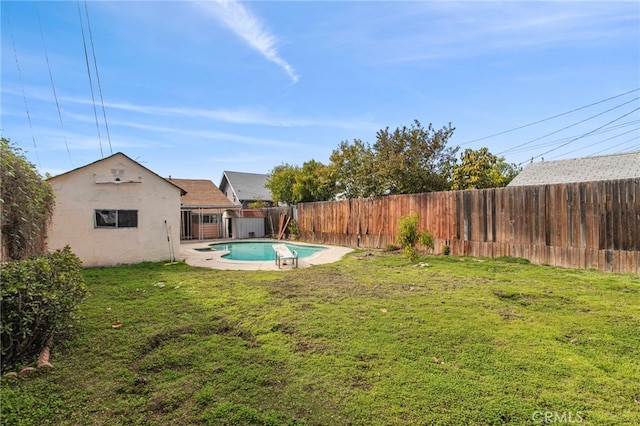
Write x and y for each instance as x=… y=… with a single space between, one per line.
x=293 y=229
x=408 y=236
x=38 y=299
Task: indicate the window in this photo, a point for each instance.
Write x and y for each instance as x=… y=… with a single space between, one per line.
x=116 y=218
x=210 y=218
x=207 y=218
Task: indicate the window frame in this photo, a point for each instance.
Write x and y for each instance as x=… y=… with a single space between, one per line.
x=115 y=218
x=211 y=219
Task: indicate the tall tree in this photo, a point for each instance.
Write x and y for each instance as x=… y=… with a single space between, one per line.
x=413 y=159
x=280 y=181
x=26 y=204
x=408 y=160
x=314 y=182
x=479 y=169
x=353 y=165
x=291 y=184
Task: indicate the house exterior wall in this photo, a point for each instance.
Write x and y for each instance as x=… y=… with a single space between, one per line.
x=231 y=195
x=227 y=190
x=80 y=192
x=209 y=230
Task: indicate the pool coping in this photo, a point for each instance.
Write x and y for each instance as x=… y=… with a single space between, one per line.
x=214 y=260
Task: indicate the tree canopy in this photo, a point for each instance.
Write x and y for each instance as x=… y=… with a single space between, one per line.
x=413 y=159
x=291 y=184
x=410 y=159
x=407 y=160
x=354 y=168
x=314 y=182
x=280 y=181
x=479 y=169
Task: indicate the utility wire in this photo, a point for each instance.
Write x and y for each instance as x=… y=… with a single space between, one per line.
x=24 y=95
x=556 y=141
x=93 y=99
x=584 y=135
x=603 y=140
x=53 y=87
x=567 y=127
x=95 y=64
x=608 y=148
x=547 y=119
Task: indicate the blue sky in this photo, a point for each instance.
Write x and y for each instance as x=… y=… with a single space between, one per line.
x=190 y=89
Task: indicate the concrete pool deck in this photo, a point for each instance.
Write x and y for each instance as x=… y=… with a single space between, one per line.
x=214 y=259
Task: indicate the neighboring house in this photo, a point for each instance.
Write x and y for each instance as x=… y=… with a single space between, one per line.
x=243 y=189
x=115 y=211
x=205 y=212
x=587 y=169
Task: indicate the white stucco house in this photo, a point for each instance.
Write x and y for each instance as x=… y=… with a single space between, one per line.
x=115 y=211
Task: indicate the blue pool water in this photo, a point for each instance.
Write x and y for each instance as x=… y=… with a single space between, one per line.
x=261 y=250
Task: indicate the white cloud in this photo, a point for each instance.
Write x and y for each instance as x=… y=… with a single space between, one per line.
x=432 y=32
x=235 y=116
x=243 y=23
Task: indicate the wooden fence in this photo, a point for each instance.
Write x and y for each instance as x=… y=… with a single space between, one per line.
x=581 y=225
x=272 y=218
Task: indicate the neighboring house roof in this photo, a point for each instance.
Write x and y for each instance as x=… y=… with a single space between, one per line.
x=201 y=193
x=247 y=186
x=252 y=213
x=587 y=169
x=118 y=154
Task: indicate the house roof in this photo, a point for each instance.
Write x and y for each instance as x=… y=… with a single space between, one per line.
x=201 y=193
x=248 y=186
x=118 y=154
x=587 y=169
x=252 y=213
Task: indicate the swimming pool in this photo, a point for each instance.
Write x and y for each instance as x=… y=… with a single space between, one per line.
x=260 y=250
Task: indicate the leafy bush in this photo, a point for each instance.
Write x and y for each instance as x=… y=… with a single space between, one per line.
x=38 y=299
x=408 y=236
x=293 y=229
x=27 y=204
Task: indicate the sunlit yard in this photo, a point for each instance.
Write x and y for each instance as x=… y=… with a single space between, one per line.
x=370 y=340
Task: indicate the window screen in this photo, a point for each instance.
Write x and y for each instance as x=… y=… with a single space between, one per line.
x=116 y=218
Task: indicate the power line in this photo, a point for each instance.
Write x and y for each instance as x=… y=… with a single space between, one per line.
x=95 y=64
x=584 y=135
x=556 y=141
x=608 y=148
x=53 y=87
x=24 y=95
x=604 y=140
x=567 y=127
x=93 y=99
x=549 y=118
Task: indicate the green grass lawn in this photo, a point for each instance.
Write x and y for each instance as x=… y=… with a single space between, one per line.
x=369 y=340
